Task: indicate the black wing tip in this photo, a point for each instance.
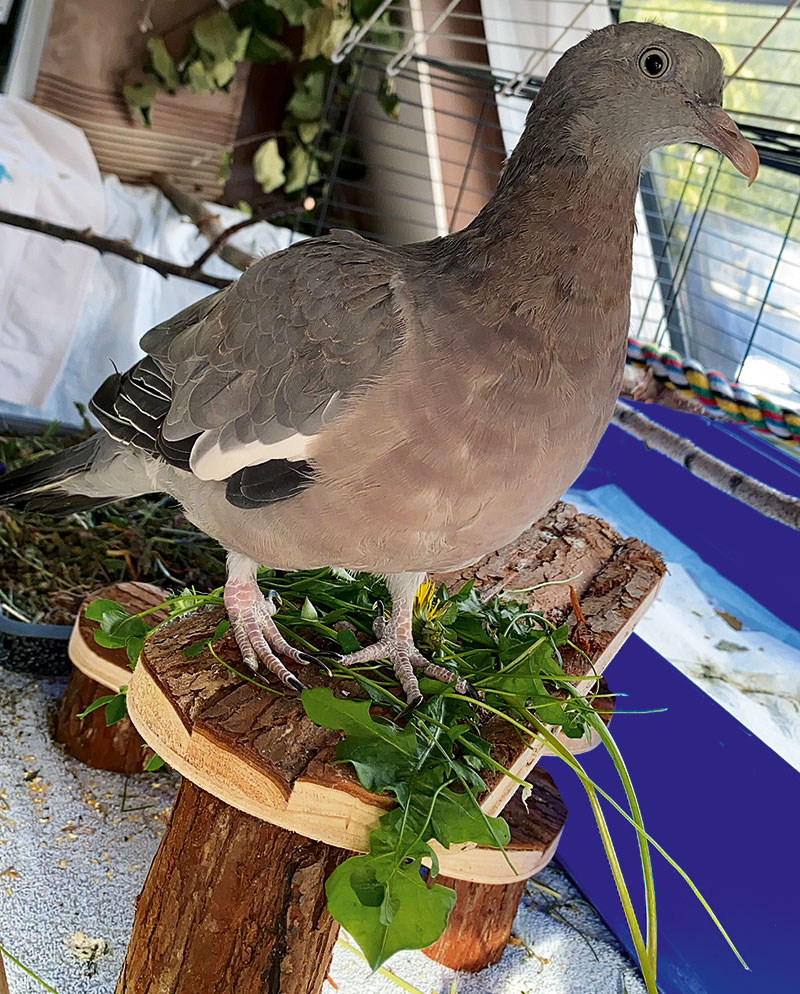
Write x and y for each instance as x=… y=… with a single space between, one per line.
x=267 y=483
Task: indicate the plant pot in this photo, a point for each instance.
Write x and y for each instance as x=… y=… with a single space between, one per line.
x=37 y=649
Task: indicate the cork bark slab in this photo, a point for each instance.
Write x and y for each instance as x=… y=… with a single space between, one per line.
x=259 y=753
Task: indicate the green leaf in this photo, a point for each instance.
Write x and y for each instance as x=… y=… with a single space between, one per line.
x=324 y=31
x=389 y=101
x=292 y=10
x=140 y=98
x=224 y=171
x=457 y=818
x=163 y=64
x=303 y=169
x=410 y=915
x=382 y=753
x=347 y=640
x=222 y=72
x=155 y=762
x=96 y=609
x=194 y=649
x=99 y=703
x=307 y=131
x=133 y=648
x=262 y=48
x=108 y=641
x=364 y=9
x=268 y=166
x=307 y=100
x=221 y=628
x=116 y=709
x=308 y=612
x=199 y=79
x=218 y=35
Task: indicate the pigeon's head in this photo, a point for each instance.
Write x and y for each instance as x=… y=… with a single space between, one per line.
x=633 y=87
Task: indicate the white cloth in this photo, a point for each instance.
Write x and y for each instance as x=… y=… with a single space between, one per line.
x=47 y=170
x=122 y=300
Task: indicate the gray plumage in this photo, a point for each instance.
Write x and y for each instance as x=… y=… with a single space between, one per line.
x=399 y=410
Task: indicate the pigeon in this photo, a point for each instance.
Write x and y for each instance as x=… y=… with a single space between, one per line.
x=400 y=410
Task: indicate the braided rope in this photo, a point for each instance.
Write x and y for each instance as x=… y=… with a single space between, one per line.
x=731 y=400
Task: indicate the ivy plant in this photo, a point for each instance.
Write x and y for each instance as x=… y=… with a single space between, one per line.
x=253 y=31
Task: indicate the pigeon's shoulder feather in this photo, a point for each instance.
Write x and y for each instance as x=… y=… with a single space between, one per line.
x=248 y=376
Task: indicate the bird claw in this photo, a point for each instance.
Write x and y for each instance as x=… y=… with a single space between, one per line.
x=316 y=660
x=411 y=706
x=258 y=637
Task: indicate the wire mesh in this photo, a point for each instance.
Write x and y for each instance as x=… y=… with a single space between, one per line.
x=716 y=271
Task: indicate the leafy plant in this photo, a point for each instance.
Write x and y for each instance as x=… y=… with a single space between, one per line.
x=434 y=765
x=257 y=31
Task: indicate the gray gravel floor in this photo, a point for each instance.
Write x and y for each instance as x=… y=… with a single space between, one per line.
x=75 y=845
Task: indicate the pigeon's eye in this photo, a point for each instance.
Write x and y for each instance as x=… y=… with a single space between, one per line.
x=654 y=62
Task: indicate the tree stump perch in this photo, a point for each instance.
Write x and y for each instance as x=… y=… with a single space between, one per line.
x=267 y=815
x=96 y=671
x=231 y=903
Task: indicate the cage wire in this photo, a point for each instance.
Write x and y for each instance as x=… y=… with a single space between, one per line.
x=716 y=270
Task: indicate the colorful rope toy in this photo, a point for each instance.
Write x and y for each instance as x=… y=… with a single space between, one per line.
x=731 y=400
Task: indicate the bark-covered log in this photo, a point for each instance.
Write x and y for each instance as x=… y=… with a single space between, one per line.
x=118 y=748
x=231 y=903
x=96 y=672
x=3 y=980
x=482 y=920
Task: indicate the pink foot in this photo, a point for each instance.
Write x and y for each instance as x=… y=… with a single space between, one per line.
x=256 y=634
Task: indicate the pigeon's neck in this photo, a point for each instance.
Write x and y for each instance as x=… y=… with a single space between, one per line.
x=572 y=207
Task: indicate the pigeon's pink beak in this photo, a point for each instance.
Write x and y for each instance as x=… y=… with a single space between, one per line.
x=722 y=134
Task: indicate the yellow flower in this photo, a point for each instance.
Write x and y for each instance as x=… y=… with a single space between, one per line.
x=427 y=605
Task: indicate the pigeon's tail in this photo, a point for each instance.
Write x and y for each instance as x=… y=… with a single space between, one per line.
x=79 y=478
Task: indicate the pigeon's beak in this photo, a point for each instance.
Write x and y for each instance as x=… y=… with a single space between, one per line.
x=722 y=134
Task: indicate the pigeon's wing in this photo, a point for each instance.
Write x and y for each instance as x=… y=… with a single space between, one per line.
x=235 y=387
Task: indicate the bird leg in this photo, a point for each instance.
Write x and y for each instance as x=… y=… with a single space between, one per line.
x=250 y=614
x=396 y=642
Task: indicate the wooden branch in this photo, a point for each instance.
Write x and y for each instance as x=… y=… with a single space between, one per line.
x=762 y=498
x=109 y=246
x=3 y=980
x=231 y=904
x=207 y=224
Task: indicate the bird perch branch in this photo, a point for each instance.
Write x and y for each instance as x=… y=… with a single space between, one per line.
x=768 y=501
x=109 y=246
x=208 y=224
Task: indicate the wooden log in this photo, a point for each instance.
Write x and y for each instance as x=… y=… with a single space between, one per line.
x=3 y=980
x=482 y=920
x=231 y=903
x=96 y=671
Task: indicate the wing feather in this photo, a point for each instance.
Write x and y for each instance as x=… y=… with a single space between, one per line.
x=236 y=386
